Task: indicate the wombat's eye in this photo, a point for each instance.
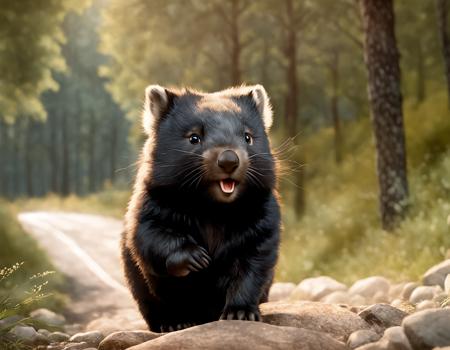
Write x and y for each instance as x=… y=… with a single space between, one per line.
x=248 y=138
x=194 y=139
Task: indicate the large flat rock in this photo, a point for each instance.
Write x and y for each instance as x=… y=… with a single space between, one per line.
x=242 y=335
x=337 y=321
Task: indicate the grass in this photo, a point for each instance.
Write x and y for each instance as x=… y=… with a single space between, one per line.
x=340 y=233
x=109 y=202
x=17 y=247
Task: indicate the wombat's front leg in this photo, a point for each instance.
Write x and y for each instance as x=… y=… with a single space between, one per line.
x=250 y=279
x=168 y=253
x=189 y=258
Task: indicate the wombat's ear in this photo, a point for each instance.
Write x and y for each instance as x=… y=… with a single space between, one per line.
x=158 y=101
x=262 y=102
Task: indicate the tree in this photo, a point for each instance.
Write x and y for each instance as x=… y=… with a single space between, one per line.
x=382 y=62
x=30 y=40
x=442 y=22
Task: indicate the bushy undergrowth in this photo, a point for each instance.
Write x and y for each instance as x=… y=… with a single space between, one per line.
x=340 y=233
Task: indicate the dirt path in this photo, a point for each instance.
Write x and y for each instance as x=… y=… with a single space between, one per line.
x=86 y=249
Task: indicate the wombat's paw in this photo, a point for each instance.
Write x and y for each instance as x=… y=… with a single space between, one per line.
x=171 y=328
x=191 y=258
x=241 y=314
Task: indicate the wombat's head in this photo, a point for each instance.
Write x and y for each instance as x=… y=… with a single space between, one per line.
x=212 y=144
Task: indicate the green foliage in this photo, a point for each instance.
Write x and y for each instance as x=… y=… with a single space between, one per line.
x=15 y=301
x=30 y=39
x=340 y=235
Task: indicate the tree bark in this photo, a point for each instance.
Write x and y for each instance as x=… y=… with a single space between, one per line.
x=65 y=166
x=442 y=19
x=28 y=153
x=92 y=162
x=382 y=61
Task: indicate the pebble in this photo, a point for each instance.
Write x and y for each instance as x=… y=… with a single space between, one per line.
x=428 y=328
x=383 y=315
x=436 y=275
x=48 y=317
x=426 y=304
x=424 y=293
x=92 y=338
x=316 y=288
x=369 y=287
x=408 y=289
x=362 y=337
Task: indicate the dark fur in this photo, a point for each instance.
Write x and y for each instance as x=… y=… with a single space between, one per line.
x=174 y=222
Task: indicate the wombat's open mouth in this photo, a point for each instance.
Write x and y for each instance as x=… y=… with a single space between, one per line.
x=227 y=185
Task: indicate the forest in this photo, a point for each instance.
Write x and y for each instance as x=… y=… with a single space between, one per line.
x=361 y=119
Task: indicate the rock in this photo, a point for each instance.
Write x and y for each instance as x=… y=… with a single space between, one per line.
x=362 y=337
x=44 y=332
x=72 y=329
x=396 y=339
x=316 y=288
x=396 y=303
x=10 y=321
x=370 y=286
x=383 y=315
x=380 y=297
x=332 y=319
x=396 y=290
x=338 y=297
x=124 y=340
x=29 y=336
x=408 y=289
x=92 y=338
x=424 y=293
x=447 y=284
x=24 y=332
x=117 y=323
x=77 y=346
x=358 y=300
x=426 y=304
x=48 y=317
x=280 y=291
x=428 y=328
x=436 y=274
x=242 y=335
x=58 y=337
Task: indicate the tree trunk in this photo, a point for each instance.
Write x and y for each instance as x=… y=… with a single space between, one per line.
x=28 y=153
x=334 y=69
x=382 y=61
x=291 y=102
x=91 y=147
x=442 y=16
x=236 y=78
x=65 y=166
x=113 y=148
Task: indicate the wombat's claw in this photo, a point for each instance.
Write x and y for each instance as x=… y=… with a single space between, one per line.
x=177 y=327
x=241 y=315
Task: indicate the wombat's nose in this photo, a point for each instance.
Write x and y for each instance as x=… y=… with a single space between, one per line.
x=228 y=160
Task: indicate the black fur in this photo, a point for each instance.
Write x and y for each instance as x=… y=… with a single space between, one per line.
x=193 y=258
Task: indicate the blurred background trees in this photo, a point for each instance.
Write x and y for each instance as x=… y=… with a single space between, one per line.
x=72 y=76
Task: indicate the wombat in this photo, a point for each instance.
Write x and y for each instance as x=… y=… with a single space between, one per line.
x=202 y=229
